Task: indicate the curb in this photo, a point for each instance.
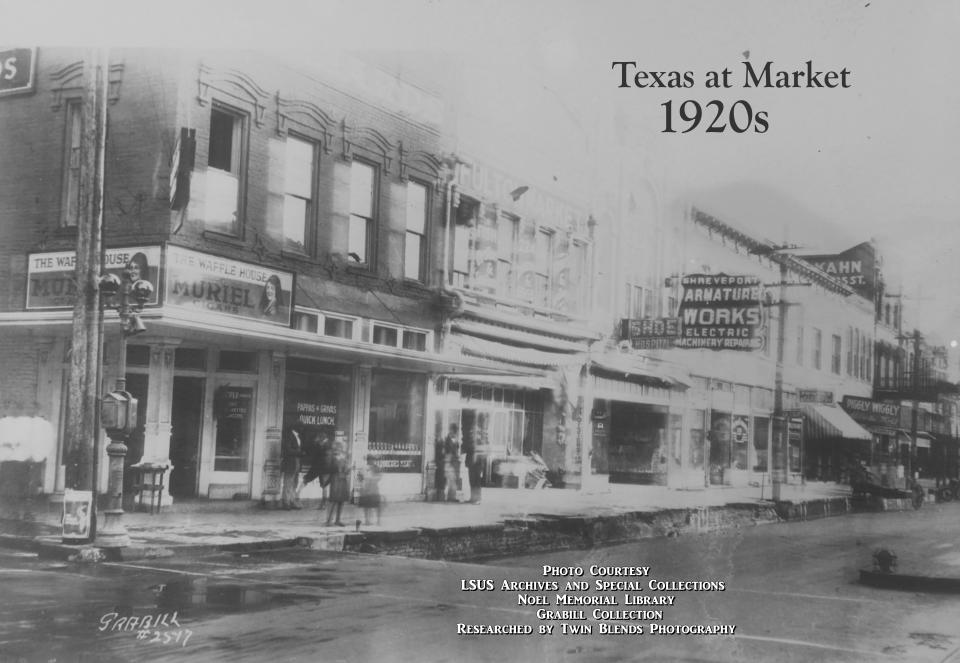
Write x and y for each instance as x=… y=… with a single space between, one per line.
x=910 y=583
x=514 y=535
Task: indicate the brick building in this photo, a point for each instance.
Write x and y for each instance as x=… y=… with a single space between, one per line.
x=289 y=219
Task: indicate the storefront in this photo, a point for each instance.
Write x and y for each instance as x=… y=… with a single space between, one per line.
x=504 y=423
x=636 y=421
x=834 y=442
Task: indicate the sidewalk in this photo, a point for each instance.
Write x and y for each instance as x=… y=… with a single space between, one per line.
x=190 y=525
x=507 y=521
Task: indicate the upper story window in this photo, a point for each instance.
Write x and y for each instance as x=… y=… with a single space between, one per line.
x=506 y=251
x=298 y=193
x=71 y=164
x=363 y=181
x=800 y=345
x=817 y=348
x=835 y=356
x=224 y=171
x=461 y=256
x=414 y=246
x=544 y=256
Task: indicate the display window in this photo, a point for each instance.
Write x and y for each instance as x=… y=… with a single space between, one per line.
x=396 y=430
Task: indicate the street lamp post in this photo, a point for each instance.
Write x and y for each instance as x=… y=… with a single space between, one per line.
x=118 y=412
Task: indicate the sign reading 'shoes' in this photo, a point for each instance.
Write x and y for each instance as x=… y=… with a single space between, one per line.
x=721 y=312
x=17 y=66
x=202 y=282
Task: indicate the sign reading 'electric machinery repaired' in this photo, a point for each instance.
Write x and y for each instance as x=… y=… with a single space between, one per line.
x=721 y=312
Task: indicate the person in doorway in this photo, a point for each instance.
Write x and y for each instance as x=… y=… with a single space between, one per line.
x=339 y=483
x=469 y=449
x=451 y=462
x=320 y=466
x=370 y=499
x=291 y=455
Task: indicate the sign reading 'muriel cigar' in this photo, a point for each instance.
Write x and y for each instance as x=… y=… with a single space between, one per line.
x=721 y=312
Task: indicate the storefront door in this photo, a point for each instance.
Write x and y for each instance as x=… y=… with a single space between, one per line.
x=187 y=428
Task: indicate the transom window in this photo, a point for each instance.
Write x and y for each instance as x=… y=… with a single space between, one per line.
x=325 y=324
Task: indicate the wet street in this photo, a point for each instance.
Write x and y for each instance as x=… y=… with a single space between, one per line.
x=790 y=591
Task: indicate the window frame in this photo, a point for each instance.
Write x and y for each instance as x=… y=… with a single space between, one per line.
x=836 y=355
x=321 y=318
x=817 y=348
x=239 y=150
x=70 y=184
x=368 y=259
x=421 y=236
x=310 y=204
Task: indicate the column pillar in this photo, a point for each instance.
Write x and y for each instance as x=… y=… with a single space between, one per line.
x=158 y=428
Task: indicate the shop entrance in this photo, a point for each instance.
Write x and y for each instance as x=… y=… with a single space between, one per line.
x=186 y=421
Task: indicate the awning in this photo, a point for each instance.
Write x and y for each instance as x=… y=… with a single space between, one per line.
x=923 y=438
x=627 y=368
x=827 y=421
x=497 y=333
x=512 y=354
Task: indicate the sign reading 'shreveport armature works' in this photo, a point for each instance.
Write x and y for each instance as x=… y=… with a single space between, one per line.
x=202 y=282
x=721 y=312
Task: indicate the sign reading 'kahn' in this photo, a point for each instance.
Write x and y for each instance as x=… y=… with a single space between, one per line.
x=721 y=312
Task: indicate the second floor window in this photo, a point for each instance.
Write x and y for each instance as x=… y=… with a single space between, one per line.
x=71 y=165
x=543 y=258
x=362 y=191
x=298 y=194
x=835 y=356
x=817 y=348
x=224 y=164
x=414 y=240
x=800 y=345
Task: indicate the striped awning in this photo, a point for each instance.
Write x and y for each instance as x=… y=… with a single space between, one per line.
x=923 y=438
x=512 y=354
x=829 y=422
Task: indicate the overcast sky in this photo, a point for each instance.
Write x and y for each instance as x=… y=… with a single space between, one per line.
x=878 y=159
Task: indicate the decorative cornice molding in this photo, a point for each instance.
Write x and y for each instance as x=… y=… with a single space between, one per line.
x=68 y=82
x=306 y=114
x=235 y=84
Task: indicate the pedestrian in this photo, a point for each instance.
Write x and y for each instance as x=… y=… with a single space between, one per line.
x=291 y=455
x=320 y=466
x=339 y=482
x=469 y=449
x=370 y=499
x=451 y=462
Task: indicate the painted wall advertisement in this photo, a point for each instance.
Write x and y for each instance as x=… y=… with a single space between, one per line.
x=201 y=282
x=721 y=312
x=855 y=267
x=51 y=278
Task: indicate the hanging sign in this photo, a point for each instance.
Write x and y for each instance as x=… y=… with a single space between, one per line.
x=17 y=70
x=201 y=282
x=721 y=312
x=51 y=277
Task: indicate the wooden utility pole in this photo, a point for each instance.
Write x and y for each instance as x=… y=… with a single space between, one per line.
x=83 y=390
